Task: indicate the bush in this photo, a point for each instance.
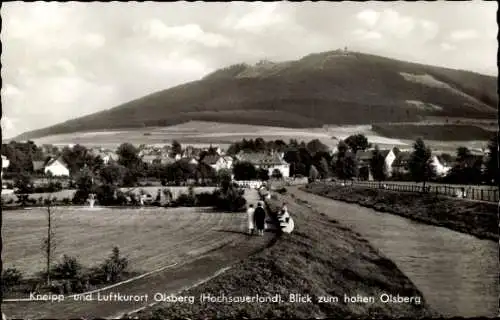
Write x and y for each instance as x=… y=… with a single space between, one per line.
x=67 y=269
x=114 y=267
x=10 y=278
x=121 y=198
x=230 y=199
x=184 y=200
x=205 y=199
x=282 y=190
x=66 y=201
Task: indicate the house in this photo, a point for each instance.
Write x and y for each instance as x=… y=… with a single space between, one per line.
x=108 y=157
x=217 y=162
x=5 y=163
x=56 y=167
x=389 y=158
x=363 y=159
x=157 y=159
x=269 y=161
x=441 y=168
x=149 y=158
x=400 y=163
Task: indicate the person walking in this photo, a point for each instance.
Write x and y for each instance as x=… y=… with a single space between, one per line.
x=260 y=217
x=251 y=218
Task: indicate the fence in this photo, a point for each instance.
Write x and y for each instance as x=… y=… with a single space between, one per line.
x=461 y=192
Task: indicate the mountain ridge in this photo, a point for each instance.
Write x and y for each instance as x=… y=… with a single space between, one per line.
x=333 y=87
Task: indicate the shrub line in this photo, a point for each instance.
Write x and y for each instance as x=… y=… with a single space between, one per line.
x=108 y=287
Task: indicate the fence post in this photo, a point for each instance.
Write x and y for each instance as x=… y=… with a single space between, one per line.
x=482 y=195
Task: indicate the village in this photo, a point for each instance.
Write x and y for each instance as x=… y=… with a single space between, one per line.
x=263 y=160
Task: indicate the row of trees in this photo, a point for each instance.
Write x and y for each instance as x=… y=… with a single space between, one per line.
x=467 y=168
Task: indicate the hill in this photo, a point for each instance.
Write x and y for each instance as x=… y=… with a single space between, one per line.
x=333 y=87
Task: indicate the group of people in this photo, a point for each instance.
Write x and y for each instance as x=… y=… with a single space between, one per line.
x=257 y=218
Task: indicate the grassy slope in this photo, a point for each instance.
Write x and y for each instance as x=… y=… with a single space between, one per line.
x=319 y=88
x=475 y=218
x=320 y=258
x=433 y=132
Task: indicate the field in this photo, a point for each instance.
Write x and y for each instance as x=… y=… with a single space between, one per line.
x=150 y=237
x=450 y=132
x=202 y=134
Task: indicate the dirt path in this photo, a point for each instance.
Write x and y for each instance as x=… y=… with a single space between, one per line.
x=206 y=249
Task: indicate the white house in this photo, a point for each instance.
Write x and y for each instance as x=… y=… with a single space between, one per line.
x=364 y=157
x=108 y=157
x=218 y=162
x=56 y=167
x=269 y=161
x=440 y=168
x=5 y=163
x=389 y=157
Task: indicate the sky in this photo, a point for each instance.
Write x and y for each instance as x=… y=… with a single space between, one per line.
x=64 y=60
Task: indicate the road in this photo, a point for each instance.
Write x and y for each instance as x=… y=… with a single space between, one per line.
x=192 y=258
x=456 y=272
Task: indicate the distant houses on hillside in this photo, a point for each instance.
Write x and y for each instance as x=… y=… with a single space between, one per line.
x=396 y=163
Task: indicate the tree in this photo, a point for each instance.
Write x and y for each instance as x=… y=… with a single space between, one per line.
x=48 y=244
x=67 y=268
x=23 y=183
x=176 y=147
x=313 y=174
x=112 y=174
x=263 y=174
x=467 y=168
x=76 y=157
x=315 y=146
x=346 y=166
x=114 y=266
x=205 y=172
x=244 y=171
x=324 y=169
x=342 y=148
x=357 y=142
x=420 y=166
x=128 y=156
x=260 y=144
x=84 y=186
x=378 y=166
x=492 y=172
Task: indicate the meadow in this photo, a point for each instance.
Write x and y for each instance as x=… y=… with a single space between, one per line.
x=149 y=237
x=203 y=134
